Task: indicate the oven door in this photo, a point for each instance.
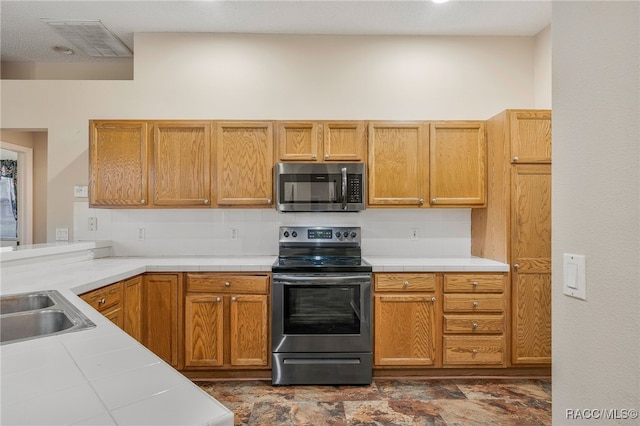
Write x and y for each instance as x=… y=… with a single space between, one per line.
x=321 y=313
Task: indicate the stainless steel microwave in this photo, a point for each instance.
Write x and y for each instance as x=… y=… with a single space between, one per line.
x=320 y=187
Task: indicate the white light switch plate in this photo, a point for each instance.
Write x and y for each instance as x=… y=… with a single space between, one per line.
x=574 y=271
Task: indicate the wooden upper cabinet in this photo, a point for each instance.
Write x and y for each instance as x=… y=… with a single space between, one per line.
x=299 y=141
x=530 y=134
x=244 y=163
x=344 y=141
x=398 y=164
x=118 y=152
x=458 y=157
x=181 y=167
x=321 y=141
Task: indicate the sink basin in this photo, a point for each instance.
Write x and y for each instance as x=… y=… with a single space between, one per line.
x=33 y=324
x=32 y=315
x=26 y=302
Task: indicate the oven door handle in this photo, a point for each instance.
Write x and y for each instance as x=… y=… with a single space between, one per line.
x=337 y=280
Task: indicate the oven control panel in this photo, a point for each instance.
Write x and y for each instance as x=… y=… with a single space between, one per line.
x=319 y=234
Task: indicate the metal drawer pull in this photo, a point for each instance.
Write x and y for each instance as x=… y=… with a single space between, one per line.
x=474 y=325
x=406 y=284
x=475 y=284
x=218 y=299
x=474 y=351
x=475 y=304
x=433 y=299
x=102 y=301
x=233 y=299
x=227 y=284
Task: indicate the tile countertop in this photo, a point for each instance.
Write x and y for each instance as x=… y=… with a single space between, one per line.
x=103 y=376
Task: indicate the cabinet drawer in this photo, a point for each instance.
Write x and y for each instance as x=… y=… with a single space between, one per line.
x=466 y=350
x=473 y=303
x=227 y=283
x=104 y=298
x=473 y=324
x=405 y=282
x=472 y=283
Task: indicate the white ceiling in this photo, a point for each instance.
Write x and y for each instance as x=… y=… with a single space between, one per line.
x=24 y=37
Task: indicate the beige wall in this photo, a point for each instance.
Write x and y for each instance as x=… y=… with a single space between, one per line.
x=596 y=209
x=272 y=77
x=115 y=69
x=37 y=141
x=542 y=75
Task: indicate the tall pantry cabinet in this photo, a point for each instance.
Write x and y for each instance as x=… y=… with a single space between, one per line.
x=515 y=228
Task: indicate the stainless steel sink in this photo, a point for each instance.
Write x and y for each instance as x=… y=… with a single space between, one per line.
x=24 y=302
x=31 y=315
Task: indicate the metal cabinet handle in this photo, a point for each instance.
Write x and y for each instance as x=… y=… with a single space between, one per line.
x=475 y=304
x=233 y=299
x=102 y=301
x=475 y=284
x=218 y=299
x=314 y=157
x=421 y=201
x=433 y=201
x=206 y=201
x=326 y=156
x=474 y=351
x=227 y=284
x=433 y=299
x=516 y=266
x=143 y=201
x=268 y=200
x=474 y=325
x=406 y=284
x=515 y=159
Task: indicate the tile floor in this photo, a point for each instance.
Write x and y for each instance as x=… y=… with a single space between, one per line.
x=389 y=402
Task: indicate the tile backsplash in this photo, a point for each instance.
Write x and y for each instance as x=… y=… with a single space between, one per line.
x=208 y=232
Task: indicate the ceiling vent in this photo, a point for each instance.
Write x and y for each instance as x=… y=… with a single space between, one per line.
x=91 y=37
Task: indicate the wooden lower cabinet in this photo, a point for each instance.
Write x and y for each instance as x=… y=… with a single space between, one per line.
x=473 y=323
x=132 y=291
x=161 y=315
x=227 y=321
x=406 y=317
x=108 y=301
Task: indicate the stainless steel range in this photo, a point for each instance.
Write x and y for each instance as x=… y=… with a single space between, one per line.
x=321 y=308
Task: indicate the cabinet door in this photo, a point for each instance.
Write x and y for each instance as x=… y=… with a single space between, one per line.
x=299 y=141
x=397 y=163
x=344 y=141
x=118 y=163
x=133 y=307
x=249 y=337
x=204 y=330
x=531 y=260
x=244 y=163
x=115 y=316
x=161 y=316
x=457 y=169
x=181 y=163
x=405 y=330
x=530 y=133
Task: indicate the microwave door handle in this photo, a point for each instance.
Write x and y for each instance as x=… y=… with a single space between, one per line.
x=344 y=188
